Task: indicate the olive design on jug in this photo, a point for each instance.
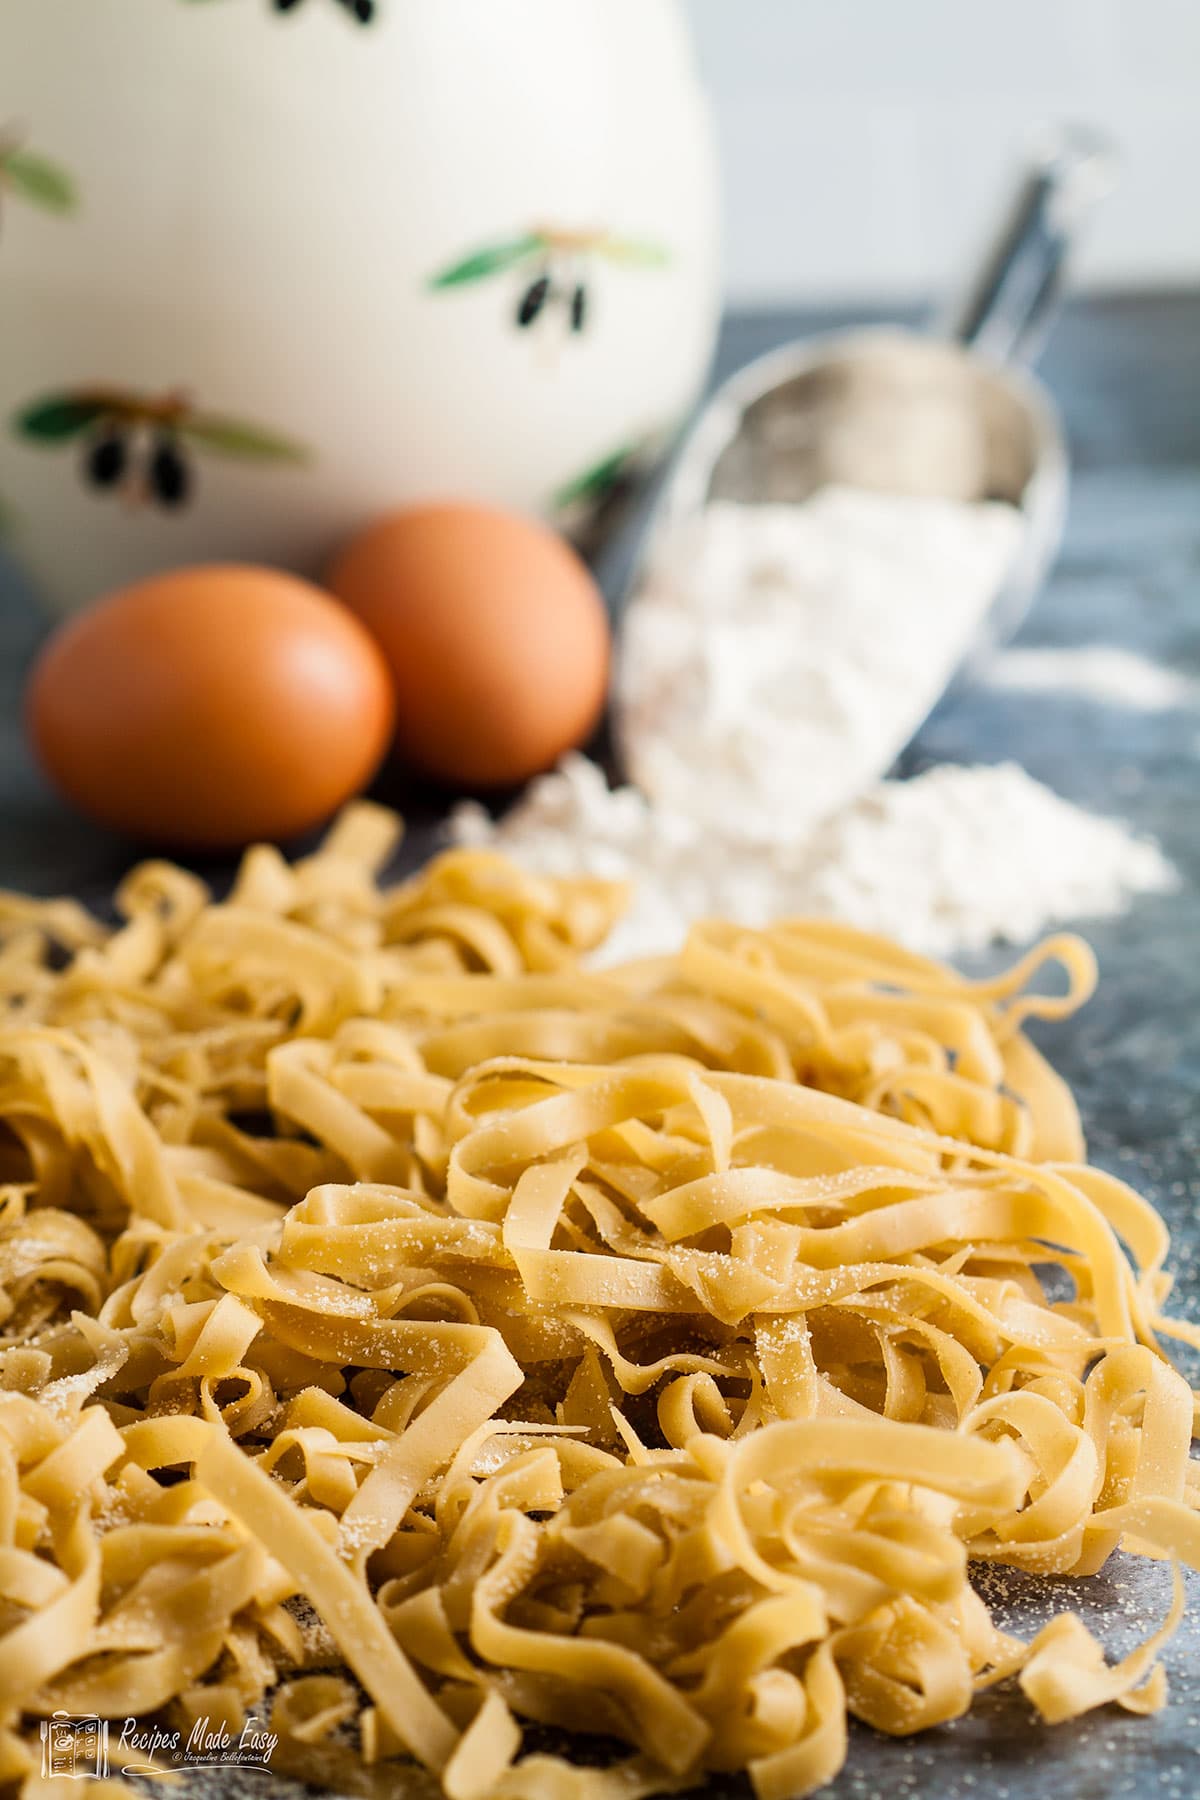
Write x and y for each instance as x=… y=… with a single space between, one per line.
x=533 y=301
x=34 y=179
x=107 y=458
x=170 y=477
x=142 y=445
x=363 y=12
x=555 y=270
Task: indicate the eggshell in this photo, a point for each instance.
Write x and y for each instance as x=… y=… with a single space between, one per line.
x=495 y=634
x=211 y=706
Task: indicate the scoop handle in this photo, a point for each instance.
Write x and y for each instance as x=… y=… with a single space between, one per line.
x=1007 y=307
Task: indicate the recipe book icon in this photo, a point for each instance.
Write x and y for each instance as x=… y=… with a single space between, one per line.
x=75 y=1745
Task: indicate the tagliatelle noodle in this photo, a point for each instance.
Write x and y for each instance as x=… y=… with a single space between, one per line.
x=419 y=1336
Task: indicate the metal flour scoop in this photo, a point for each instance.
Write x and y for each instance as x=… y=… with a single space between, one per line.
x=952 y=413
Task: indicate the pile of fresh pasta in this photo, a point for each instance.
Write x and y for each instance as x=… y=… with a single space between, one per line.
x=417 y=1339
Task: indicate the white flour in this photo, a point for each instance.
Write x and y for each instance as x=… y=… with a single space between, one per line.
x=778 y=658
x=1101 y=672
x=954 y=860
x=773 y=664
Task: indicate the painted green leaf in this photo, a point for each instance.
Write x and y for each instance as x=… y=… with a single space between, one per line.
x=39 y=181
x=233 y=437
x=58 y=417
x=489 y=261
x=628 y=250
x=597 y=480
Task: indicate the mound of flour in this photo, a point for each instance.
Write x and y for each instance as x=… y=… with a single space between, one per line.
x=776 y=659
x=774 y=662
x=954 y=860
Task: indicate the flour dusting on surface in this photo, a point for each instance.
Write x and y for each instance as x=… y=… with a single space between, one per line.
x=1105 y=673
x=954 y=860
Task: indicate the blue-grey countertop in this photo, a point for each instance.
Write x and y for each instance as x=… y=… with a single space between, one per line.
x=1126 y=373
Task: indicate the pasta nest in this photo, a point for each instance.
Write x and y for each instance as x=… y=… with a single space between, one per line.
x=420 y=1338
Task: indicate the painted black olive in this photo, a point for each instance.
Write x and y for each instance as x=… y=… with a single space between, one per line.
x=363 y=10
x=107 y=458
x=579 y=304
x=533 y=301
x=170 y=477
x=285 y=5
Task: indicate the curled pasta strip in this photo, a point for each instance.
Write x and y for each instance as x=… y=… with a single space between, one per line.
x=391 y=1305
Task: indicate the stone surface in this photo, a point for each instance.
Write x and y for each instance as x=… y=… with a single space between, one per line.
x=1127 y=376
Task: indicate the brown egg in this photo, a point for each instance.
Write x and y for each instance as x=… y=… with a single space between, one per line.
x=495 y=634
x=211 y=706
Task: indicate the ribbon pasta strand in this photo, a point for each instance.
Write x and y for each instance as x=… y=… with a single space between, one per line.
x=416 y=1334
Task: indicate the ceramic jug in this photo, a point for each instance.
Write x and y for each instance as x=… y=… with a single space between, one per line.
x=268 y=267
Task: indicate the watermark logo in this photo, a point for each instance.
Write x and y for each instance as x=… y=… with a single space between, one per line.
x=75 y=1745
x=81 y=1748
